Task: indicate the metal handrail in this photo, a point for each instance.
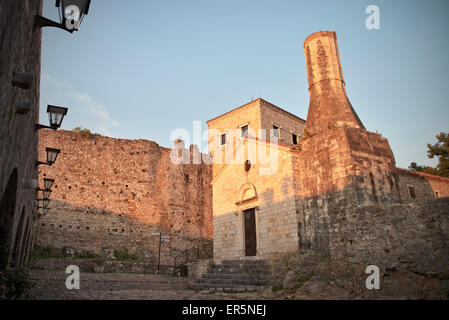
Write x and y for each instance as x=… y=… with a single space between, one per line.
x=186 y=252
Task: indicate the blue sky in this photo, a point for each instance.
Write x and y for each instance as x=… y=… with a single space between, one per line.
x=143 y=68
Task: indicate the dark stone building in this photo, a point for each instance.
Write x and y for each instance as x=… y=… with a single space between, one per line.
x=20 y=63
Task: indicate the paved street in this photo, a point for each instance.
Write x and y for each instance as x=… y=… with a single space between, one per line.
x=50 y=285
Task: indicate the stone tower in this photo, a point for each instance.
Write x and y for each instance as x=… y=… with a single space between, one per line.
x=329 y=104
x=342 y=165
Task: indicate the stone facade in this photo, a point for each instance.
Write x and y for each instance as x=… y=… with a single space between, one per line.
x=339 y=177
x=269 y=185
x=20 y=53
x=114 y=193
x=273 y=197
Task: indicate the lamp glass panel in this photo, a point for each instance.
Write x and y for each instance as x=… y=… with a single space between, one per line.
x=56 y=115
x=46 y=194
x=44 y=211
x=55 y=119
x=81 y=4
x=51 y=156
x=45 y=203
x=48 y=184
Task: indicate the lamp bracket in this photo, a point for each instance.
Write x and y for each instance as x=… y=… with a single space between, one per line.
x=40 y=22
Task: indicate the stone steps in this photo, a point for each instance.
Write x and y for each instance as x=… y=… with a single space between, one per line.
x=247 y=271
x=234 y=276
x=226 y=282
x=227 y=288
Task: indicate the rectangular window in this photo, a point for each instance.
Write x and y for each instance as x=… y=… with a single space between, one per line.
x=223 y=139
x=275 y=131
x=411 y=192
x=244 y=131
x=294 y=139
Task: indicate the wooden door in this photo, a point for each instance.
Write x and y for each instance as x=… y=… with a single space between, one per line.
x=250 y=232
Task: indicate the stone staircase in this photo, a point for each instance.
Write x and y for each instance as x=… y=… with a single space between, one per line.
x=234 y=276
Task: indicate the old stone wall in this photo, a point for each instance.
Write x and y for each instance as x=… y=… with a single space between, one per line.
x=342 y=167
x=113 y=193
x=20 y=52
x=412 y=237
x=99 y=231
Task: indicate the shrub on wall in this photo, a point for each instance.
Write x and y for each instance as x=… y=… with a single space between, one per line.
x=124 y=255
x=86 y=133
x=85 y=254
x=48 y=252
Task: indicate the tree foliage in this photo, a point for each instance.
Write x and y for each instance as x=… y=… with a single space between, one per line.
x=439 y=150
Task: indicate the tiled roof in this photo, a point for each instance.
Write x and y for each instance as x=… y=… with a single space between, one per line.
x=423 y=174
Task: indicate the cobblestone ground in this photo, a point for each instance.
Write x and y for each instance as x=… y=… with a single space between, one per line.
x=50 y=285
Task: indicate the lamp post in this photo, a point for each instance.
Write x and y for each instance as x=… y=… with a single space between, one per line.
x=55 y=115
x=52 y=154
x=71 y=14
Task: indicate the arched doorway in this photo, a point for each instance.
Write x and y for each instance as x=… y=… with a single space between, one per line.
x=7 y=209
x=20 y=238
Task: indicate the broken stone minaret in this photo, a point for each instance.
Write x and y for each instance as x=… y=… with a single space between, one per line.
x=329 y=104
x=342 y=165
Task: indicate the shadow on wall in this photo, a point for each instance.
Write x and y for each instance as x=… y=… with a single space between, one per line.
x=99 y=231
x=7 y=210
x=394 y=236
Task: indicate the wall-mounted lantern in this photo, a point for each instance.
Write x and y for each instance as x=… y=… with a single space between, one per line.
x=44 y=210
x=45 y=202
x=48 y=183
x=52 y=154
x=71 y=14
x=55 y=115
x=46 y=192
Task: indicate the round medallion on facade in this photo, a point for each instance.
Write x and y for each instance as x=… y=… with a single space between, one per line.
x=247 y=165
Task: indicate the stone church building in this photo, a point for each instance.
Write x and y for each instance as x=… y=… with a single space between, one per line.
x=288 y=186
